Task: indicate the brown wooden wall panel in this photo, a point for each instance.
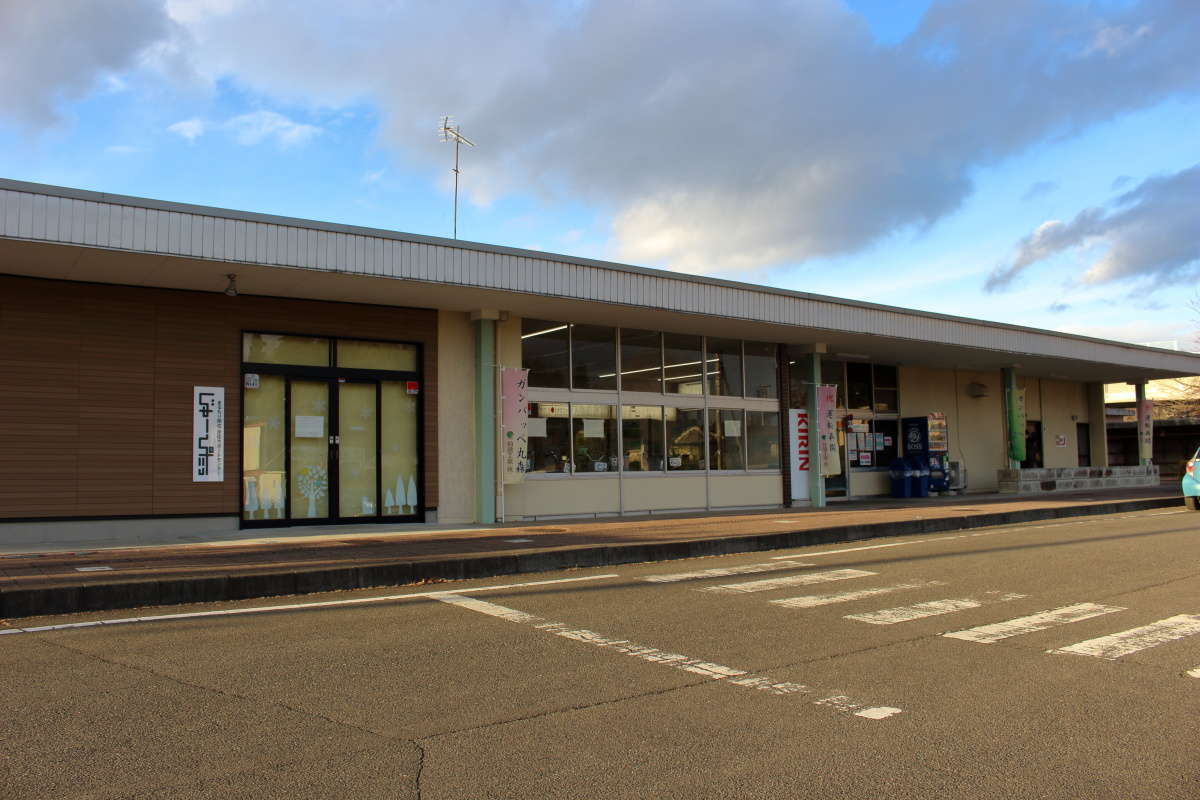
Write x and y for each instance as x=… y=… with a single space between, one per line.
x=96 y=390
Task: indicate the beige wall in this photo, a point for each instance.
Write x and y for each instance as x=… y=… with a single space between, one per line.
x=456 y=410
x=1064 y=403
x=540 y=497
x=977 y=436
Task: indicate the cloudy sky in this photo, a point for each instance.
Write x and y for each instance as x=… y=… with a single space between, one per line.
x=1028 y=161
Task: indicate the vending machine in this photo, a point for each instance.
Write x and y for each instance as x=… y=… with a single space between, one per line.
x=926 y=439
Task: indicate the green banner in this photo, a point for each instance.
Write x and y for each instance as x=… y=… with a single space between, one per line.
x=1014 y=401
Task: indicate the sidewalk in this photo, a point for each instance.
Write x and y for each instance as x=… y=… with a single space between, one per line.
x=288 y=561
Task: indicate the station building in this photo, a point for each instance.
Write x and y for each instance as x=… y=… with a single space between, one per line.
x=175 y=368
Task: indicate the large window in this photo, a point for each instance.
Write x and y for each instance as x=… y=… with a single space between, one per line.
x=545 y=352
x=762 y=375
x=595 y=434
x=762 y=439
x=724 y=367
x=858 y=386
x=549 y=438
x=683 y=371
x=685 y=439
x=833 y=373
x=593 y=357
x=642 y=436
x=641 y=361
x=726 y=435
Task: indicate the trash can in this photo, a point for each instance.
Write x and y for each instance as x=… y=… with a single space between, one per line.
x=901 y=474
x=920 y=479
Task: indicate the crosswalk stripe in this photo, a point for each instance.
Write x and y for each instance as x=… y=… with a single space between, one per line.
x=891 y=616
x=813 y=600
x=986 y=634
x=1131 y=641
x=721 y=572
x=791 y=580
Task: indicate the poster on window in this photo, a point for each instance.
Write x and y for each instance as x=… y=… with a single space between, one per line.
x=831 y=459
x=514 y=423
x=208 y=434
x=799 y=452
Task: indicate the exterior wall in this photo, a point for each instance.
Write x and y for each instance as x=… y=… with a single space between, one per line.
x=976 y=423
x=1064 y=403
x=96 y=391
x=563 y=496
x=456 y=408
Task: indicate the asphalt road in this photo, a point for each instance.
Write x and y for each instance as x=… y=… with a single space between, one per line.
x=912 y=668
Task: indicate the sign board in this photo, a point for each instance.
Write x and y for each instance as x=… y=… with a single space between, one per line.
x=1145 y=428
x=208 y=434
x=831 y=457
x=514 y=423
x=799 y=451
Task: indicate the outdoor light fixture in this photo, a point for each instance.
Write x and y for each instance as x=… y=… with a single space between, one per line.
x=231 y=289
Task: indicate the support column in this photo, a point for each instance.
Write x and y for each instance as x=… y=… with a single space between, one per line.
x=1014 y=407
x=485 y=416
x=1145 y=425
x=1097 y=424
x=816 y=475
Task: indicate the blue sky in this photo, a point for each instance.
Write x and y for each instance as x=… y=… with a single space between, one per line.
x=1028 y=161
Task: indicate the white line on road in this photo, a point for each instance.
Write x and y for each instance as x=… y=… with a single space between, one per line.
x=1195 y=673
x=227 y=612
x=856 y=549
x=785 y=583
x=891 y=616
x=737 y=677
x=721 y=572
x=813 y=600
x=986 y=634
x=1131 y=641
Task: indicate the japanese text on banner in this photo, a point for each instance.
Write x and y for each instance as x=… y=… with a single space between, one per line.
x=514 y=423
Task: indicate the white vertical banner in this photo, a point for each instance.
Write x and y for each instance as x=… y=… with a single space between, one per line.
x=799 y=451
x=208 y=434
x=514 y=423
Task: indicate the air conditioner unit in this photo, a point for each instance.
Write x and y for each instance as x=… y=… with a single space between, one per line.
x=958 y=477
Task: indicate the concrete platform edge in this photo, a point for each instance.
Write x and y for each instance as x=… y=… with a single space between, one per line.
x=104 y=596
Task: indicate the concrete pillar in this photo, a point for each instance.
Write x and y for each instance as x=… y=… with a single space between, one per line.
x=1145 y=425
x=485 y=416
x=816 y=475
x=1097 y=424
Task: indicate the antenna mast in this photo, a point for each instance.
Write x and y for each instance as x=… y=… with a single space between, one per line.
x=452 y=133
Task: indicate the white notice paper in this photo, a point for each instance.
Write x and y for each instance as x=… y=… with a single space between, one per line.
x=536 y=426
x=309 y=427
x=733 y=427
x=593 y=429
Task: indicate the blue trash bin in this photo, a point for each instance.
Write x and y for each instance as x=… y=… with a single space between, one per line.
x=901 y=475
x=920 y=479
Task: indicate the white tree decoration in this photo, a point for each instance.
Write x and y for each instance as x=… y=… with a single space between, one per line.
x=312 y=483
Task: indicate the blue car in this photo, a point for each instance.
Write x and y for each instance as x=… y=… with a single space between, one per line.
x=1189 y=484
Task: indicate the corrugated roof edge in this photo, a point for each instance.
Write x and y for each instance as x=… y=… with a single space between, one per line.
x=299 y=222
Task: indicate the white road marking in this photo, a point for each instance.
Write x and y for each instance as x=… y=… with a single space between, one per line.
x=1131 y=641
x=792 y=580
x=856 y=549
x=1195 y=673
x=93 y=569
x=986 y=634
x=707 y=669
x=518 y=541
x=813 y=600
x=294 y=606
x=891 y=616
x=721 y=572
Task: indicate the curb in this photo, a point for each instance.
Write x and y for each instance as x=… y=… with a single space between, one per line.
x=175 y=591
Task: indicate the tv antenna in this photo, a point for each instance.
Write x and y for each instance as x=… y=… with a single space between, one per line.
x=452 y=133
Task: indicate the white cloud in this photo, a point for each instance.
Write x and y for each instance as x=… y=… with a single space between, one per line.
x=1150 y=233
x=258 y=126
x=59 y=51
x=190 y=129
